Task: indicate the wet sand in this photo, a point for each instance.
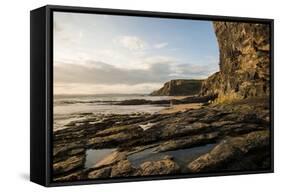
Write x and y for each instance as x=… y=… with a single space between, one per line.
x=181 y=107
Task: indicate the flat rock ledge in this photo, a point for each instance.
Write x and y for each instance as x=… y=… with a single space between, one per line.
x=229 y=154
x=239 y=131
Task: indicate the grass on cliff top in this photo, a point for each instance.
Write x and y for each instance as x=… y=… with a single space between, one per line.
x=233 y=101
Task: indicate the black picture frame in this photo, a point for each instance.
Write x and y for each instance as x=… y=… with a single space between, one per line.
x=41 y=93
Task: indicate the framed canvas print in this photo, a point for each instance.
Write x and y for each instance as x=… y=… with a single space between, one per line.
x=122 y=95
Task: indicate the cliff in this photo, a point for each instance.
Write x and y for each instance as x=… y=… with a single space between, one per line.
x=244 y=61
x=179 y=87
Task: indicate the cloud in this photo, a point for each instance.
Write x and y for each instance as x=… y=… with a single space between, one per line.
x=80 y=88
x=160 y=45
x=96 y=72
x=135 y=43
x=150 y=60
x=132 y=43
x=193 y=71
x=65 y=36
x=96 y=77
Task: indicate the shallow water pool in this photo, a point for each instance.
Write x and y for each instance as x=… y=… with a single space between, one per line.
x=181 y=156
x=93 y=156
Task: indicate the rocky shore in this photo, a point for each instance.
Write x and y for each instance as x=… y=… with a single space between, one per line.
x=230 y=131
x=184 y=100
x=215 y=138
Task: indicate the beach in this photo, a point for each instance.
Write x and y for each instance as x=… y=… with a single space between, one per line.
x=180 y=108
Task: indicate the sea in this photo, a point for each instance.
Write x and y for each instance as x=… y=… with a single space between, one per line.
x=67 y=108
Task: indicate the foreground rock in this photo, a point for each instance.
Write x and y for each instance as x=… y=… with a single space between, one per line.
x=115 y=136
x=246 y=152
x=69 y=164
x=238 y=131
x=120 y=169
x=187 y=142
x=161 y=167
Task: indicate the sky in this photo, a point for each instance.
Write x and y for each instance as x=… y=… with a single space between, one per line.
x=105 y=54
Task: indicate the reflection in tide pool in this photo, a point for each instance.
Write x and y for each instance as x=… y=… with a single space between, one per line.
x=181 y=156
x=93 y=156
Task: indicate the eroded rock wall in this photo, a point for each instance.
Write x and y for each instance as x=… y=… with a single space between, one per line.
x=179 y=87
x=244 y=61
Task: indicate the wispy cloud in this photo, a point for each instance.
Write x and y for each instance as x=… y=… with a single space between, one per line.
x=132 y=43
x=81 y=88
x=160 y=45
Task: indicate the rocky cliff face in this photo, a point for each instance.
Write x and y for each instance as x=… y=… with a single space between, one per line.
x=244 y=61
x=179 y=87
